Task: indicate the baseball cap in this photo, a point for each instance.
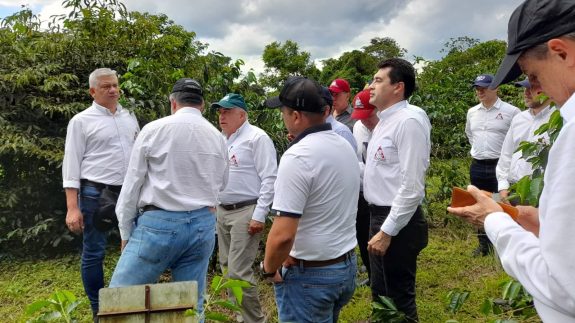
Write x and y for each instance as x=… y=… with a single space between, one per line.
x=339 y=85
x=301 y=94
x=483 y=80
x=326 y=94
x=362 y=109
x=532 y=23
x=191 y=89
x=231 y=100
x=524 y=83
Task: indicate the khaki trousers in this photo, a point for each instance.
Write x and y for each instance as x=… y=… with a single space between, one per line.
x=237 y=253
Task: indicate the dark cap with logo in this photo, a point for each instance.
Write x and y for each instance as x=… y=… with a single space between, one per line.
x=191 y=89
x=532 y=23
x=525 y=83
x=301 y=94
x=230 y=101
x=483 y=80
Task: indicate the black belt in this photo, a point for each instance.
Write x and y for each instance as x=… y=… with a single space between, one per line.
x=151 y=208
x=486 y=161
x=321 y=263
x=100 y=186
x=235 y=206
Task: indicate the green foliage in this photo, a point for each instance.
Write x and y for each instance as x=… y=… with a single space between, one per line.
x=214 y=307
x=384 y=310
x=455 y=299
x=515 y=303
x=59 y=307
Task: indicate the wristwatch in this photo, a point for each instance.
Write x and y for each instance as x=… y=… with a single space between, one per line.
x=264 y=273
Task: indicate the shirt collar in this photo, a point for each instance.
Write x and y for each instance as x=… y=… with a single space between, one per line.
x=189 y=110
x=391 y=110
x=237 y=133
x=568 y=109
x=106 y=110
x=310 y=130
x=496 y=105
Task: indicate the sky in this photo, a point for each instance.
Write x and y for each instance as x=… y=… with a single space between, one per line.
x=324 y=28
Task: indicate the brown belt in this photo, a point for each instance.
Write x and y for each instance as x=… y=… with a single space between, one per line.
x=151 y=208
x=235 y=206
x=291 y=261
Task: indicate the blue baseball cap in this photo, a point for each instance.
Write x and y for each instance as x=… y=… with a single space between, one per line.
x=525 y=83
x=483 y=80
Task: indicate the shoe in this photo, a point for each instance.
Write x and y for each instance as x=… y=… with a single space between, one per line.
x=479 y=251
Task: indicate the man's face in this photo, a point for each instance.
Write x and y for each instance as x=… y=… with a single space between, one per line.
x=106 y=93
x=340 y=101
x=289 y=120
x=485 y=95
x=372 y=121
x=231 y=120
x=381 y=91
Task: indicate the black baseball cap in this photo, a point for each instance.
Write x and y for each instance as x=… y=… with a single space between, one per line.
x=301 y=94
x=532 y=23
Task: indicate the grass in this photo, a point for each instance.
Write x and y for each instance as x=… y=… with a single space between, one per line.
x=444 y=265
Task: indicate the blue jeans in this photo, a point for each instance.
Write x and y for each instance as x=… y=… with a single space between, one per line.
x=93 y=247
x=181 y=241
x=315 y=294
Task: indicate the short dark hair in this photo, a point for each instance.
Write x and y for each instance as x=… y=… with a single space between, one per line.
x=400 y=70
x=184 y=98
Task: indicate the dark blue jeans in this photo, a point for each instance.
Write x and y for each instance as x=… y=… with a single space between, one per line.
x=93 y=247
x=482 y=175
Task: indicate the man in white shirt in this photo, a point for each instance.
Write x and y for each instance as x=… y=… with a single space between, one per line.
x=366 y=114
x=312 y=238
x=246 y=201
x=337 y=126
x=511 y=167
x=342 y=110
x=393 y=185
x=486 y=127
x=98 y=145
x=179 y=165
x=538 y=249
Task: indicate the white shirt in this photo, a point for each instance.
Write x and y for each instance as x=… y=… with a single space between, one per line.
x=342 y=130
x=253 y=167
x=397 y=159
x=179 y=163
x=362 y=136
x=318 y=178
x=511 y=167
x=545 y=266
x=486 y=128
x=98 y=146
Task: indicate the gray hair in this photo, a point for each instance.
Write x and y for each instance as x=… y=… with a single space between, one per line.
x=98 y=73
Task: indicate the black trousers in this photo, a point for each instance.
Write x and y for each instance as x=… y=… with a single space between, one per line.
x=482 y=175
x=393 y=275
x=362 y=231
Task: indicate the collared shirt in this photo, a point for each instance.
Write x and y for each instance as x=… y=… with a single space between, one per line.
x=318 y=181
x=545 y=266
x=98 y=146
x=179 y=163
x=486 y=128
x=397 y=159
x=253 y=167
x=345 y=118
x=362 y=136
x=342 y=130
x=511 y=167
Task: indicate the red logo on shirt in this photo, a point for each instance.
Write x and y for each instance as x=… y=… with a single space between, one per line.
x=234 y=161
x=379 y=156
x=499 y=116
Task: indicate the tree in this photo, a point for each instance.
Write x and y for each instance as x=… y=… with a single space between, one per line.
x=384 y=48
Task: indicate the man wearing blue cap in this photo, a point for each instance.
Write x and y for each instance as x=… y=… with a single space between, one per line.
x=511 y=166
x=486 y=127
x=245 y=203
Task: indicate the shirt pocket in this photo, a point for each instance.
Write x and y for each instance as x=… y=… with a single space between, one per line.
x=386 y=153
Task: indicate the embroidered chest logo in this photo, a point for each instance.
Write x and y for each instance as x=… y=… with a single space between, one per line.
x=499 y=116
x=234 y=161
x=379 y=156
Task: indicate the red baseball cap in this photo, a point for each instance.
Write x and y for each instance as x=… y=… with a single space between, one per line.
x=339 y=85
x=362 y=109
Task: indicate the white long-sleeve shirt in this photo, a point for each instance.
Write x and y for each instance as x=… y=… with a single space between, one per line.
x=253 y=168
x=178 y=163
x=511 y=167
x=98 y=146
x=342 y=130
x=486 y=128
x=397 y=159
x=545 y=266
x=362 y=136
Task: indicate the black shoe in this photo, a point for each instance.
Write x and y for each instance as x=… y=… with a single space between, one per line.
x=480 y=251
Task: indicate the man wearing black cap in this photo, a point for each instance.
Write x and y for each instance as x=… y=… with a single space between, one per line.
x=312 y=239
x=486 y=127
x=178 y=166
x=538 y=249
x=511 y=167
x=246 y=201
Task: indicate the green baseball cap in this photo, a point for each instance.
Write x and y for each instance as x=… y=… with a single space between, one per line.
x=231 y=100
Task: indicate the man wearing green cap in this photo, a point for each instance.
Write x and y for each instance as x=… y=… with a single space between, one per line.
x=245 y=203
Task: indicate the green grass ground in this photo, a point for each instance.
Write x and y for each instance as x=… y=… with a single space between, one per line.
x=444 y=265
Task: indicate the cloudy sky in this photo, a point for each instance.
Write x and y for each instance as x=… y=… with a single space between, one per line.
x=324 y=28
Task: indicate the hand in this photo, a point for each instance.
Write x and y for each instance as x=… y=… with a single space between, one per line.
x=123 y=245
x=255 y=227
x=75 y=221
x=277 y=278
x=379 y=243
x=528 y=218
x=476 y=213
x=504 y=194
